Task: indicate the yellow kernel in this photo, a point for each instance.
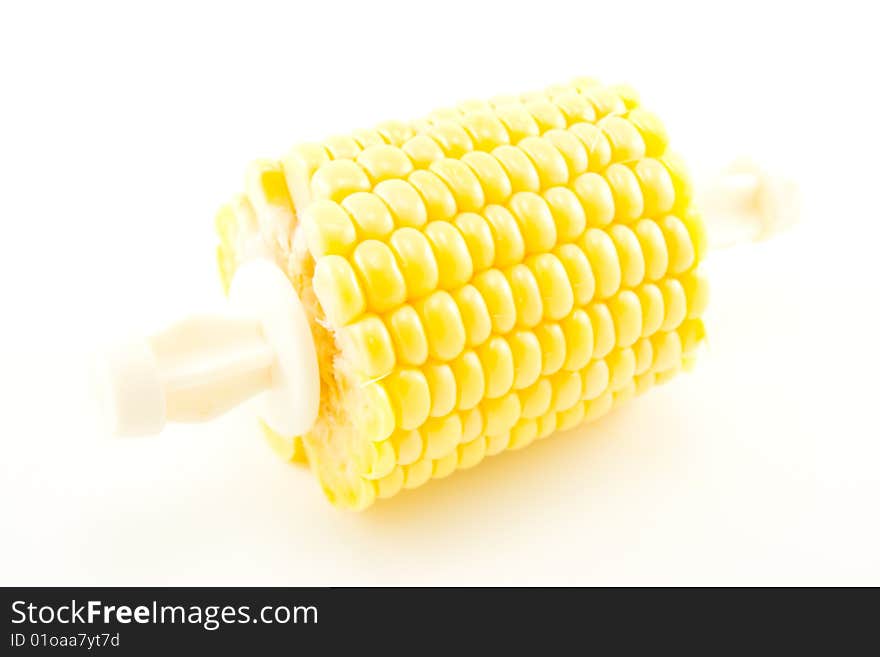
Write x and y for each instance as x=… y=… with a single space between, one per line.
x=678 y=243
x=627 y=94
x=496 y=292
x=370 y=347
x=644 y=382
x=395 y=132
x=656 y=185
x=697 y=230
x=523 y=434
x=470 y=380
x=598 y=407
x=681 y=181
x=370 y=214
x=383 y=281
x=644 y=352
x=471 y=424
x=497 y=444
x=408 y=446
x=626 y=310
x=300 y=165
x=596 y=199
x=410 y=396
x=572 y=150
x=390 y=485
x=471 y=454
x=405 y=203
x=556 y=292
x=526 y=295
x=418 y=473
x=478 y=237
x=485 y=130
x=579 y=340
x=654 y=250
x=408 y=335
x=573 y=106
x=474 y=314
x=596 y=377
x=653 y=308
x=328 y=229
x=453 y=258
x=367 y=137
x=342 y=147
x=568 y=213
x=442 y=435
x=383 y=161
x=493 y=179
x=416 y=260
x=667 y=351
x=379 y=460
x=622 y=367
x=452 y=138
x=496 y=359
x=535 y=221
x=536 y=399
x=546 y=114
x=519 y=123
x=696 y=291
x=509 y=243
x=652 y=131
x=338 y=290
x=596 y=143
x=625 y=393
x=526 y=352
x=519 y=168
x=462 y=182
x=600 y=251
x=376 y=420
x=546 y=425
x=603 y=329
x=567 y=388
x=439 y=201
x=580 y=272
x=629 y=253
x=443 y=325
x=422 y=150
x=674 y=302
x=692 y=333
x=627 y=144
x=441 y=383
x=604 y=100
x=553 y=347
x=549 y=163
x=628 y=202
x=500 y=414
x=570 y=418
x=337 y=179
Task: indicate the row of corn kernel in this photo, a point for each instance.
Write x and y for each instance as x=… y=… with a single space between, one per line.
x=446 y=255
x=547 y=285
x=475 y=177
x=528 y=115
x=409 y=464
x=497 y=363
x=436 y=390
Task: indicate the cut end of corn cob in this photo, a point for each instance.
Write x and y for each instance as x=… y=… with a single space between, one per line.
x=477 y=280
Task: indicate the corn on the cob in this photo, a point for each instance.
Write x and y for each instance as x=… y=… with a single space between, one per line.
x=478 y=279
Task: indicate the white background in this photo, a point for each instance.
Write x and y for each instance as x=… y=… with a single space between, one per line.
x=122 y=129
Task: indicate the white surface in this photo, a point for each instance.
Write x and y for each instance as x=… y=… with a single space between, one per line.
x=122 y=128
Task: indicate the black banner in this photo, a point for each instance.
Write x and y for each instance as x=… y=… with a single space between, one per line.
x=384 y=621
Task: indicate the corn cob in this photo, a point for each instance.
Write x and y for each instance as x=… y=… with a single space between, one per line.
x=478 y=279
